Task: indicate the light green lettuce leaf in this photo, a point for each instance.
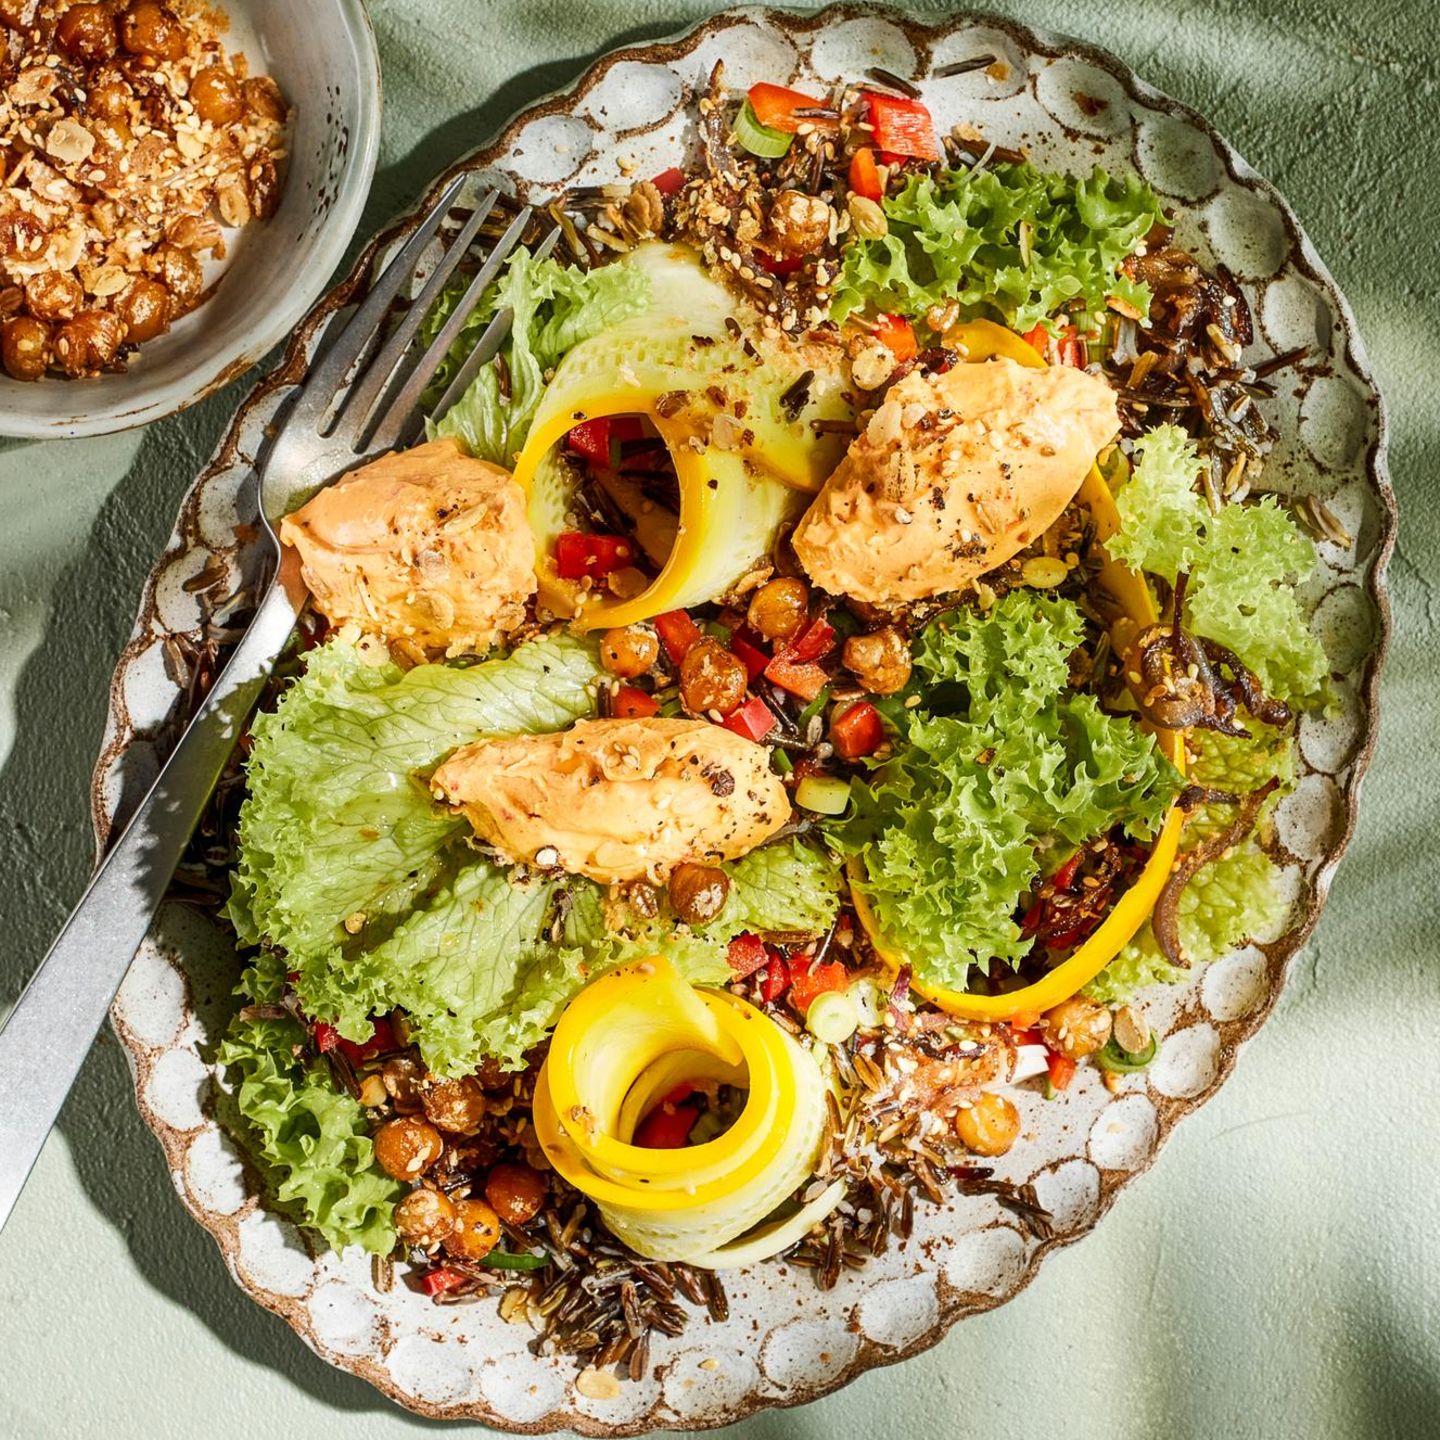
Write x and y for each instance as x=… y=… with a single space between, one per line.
x=556 y=307
x=958 y=235
x=338 y=821
x=1243 y=563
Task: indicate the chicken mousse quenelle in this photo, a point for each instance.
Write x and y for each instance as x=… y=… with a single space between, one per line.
x=773 y=735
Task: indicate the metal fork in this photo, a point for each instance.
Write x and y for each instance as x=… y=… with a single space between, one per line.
x=359 y=400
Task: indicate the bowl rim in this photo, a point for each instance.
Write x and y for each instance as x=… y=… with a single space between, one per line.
x=233 y=362
x=1279 y=953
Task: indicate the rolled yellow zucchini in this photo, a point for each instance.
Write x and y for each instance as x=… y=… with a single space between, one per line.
x=626 y=1041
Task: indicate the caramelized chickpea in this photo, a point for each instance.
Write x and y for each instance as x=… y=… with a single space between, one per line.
x=404 y=1081
x=149 y=28
x=216 y=96
x=145 y=309
x=1076 y=1027
x=516 y=1192
x=628 y=651
x=406 y=1148
x=87 y=33
x=109 y=99
x=455 y=1105
x=53 y=295
x=424 y=1218
x=25 y=347
x=264 y=100
x=779 y=609
x=880 y=661
x=180 y=273
x=988 y=1127
x=22 y=236
x=711 y=678
x=698 y=892
x=89 y=342
x=476 y=1232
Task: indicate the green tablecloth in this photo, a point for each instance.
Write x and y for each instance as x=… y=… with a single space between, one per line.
x=1274 y=1276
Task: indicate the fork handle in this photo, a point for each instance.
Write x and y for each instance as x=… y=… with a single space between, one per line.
x=49 y=1033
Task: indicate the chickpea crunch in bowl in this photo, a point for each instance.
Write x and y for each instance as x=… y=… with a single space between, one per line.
x=131 y=141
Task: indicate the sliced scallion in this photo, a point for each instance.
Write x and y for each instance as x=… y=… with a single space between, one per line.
x=760 y=139
x=1124 y=1062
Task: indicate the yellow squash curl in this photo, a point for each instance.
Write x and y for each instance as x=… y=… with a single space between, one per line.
x=626 y=1041
x=979 y=341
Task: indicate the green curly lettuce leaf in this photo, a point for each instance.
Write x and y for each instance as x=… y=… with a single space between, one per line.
x=950 y=830
x=311 y=1137
x=338 y=822
x=1009 y=240
x=556 y=307
x=1243 y=563
x=1234 y=899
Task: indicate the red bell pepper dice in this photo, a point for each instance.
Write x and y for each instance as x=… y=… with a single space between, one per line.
x=897 y=334
x=805 y=680
x=327 y=1037
x=667 y=1127
x=1037 y=338
x=628 y=703
x=817 y=980
x=902 y=126
x=813 y=643
x=1061 y=1069
x=781 y=265
x=777 y=977
x=857 y=731
x=1064 y=877
x=578 y=555
x=753 y=720
x=775 y=108
x=746 y=955
x=865 y=175
x=755 y=659
x=670 y=182
x=677 y=632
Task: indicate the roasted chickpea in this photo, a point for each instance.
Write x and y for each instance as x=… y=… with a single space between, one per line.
x=264 y=100
x=25 y=347
x=216 y=96
x=404 y=1079
x=264 y=188
x=17 y=12
x=149 y=28
x=989 y=1126
x=779 y=609
x=698 y=892
x=145 y=309
x=109 y=99
x=87 y=33
x=711 y=678
x=455 y=1105
x=1076 y=1027
x=880 y=661
x=180 y=273
x=425 y=1217
x=89 y=342
x=516 y=1192
x=22 y=235
x=477 y=1229
x=53 y=295
x=799 y=223
x=406 y=1148
x=628 y=651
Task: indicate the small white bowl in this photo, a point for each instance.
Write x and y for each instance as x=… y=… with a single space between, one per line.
x=324 y=56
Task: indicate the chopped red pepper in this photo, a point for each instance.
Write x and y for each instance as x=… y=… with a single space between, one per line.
x=1072 y=350
x=902 y=126
x=1029 y=1036
x=816 y=980
x=677 y=632
x=813 y=643
x=671 y=181
x=775 y=108
x=754 y=720
x=327 y=1037
x=865 y=175
x=755 y=658
x=747 y=954
x=1064 y=877
x=441 y=1279
x=1033 y=916
x=777 y=977
x=857 y=731
x=897 y=334
x=381 y=1040
x=1037 y=338
x=667 y=1127
x=1061 y=1068
x=806 y=679
x=628 y=703
x=781 y=265
x=578 y=555
x=598 y=440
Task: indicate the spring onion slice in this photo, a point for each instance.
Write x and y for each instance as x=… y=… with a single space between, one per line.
x=1125 y=1062
x=760 y=139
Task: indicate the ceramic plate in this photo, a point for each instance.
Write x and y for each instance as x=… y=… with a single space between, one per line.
x=786 y=1342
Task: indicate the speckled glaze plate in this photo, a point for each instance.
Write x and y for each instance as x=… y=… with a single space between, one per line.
x=786 y=1342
